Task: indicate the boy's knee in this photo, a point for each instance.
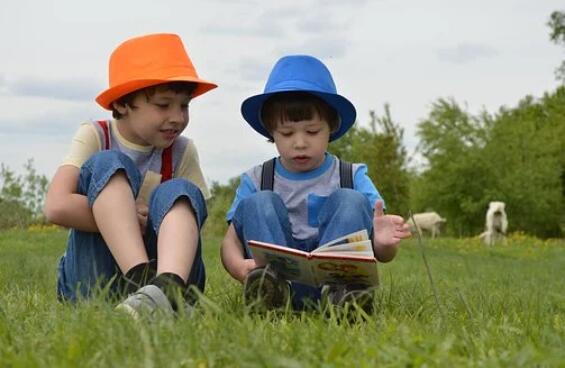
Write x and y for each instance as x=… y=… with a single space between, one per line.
x=169 y=192
x=264 y=202
x=107 y=162
x=348 y=204
x=264 y=197
x=178 y=187
x=348 y=197
x=96 y=172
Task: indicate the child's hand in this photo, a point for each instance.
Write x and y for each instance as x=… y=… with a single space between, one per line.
x=246 y=266
x=142 y=212
x=388 y=231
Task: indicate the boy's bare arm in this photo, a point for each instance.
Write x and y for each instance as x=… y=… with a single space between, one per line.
x=63 y=206
x=233 y=257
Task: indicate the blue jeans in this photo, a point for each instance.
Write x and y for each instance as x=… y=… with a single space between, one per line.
x=87 y=263
x=264 y=217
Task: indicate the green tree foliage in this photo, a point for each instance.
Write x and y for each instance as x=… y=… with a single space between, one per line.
x=515 y=156
x=529 y=145
x=557 y=35
x=451 y=143
x=380 y=147
x=21 y=196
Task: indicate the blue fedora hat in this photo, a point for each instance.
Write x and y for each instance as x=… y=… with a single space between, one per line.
x=300 y=73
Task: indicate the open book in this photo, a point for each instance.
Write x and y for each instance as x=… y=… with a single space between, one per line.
x=347 y=260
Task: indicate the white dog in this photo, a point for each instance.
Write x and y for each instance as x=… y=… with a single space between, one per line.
x=496 y=223
x=429 y=221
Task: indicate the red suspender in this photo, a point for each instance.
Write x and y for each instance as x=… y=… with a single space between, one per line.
x=167 y=164
x=166 y=157
x=104 y=125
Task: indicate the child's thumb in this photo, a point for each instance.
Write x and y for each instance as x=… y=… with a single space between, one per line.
x=379 y=208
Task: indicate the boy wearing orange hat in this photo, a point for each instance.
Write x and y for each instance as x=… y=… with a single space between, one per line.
x=131 y=189
x=306 y=196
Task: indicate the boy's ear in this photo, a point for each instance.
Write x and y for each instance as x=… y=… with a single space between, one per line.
x=120 y=107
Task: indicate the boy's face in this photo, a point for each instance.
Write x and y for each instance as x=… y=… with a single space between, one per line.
x=302 y=144
x=155 y=120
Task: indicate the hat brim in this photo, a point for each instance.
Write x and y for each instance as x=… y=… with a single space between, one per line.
x=252 y=106
x=110 y=95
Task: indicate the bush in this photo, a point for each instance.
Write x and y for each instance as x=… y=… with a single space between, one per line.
x=21 y=197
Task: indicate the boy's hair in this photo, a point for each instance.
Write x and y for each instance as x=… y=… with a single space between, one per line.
x=296 y=106
x=177 y=87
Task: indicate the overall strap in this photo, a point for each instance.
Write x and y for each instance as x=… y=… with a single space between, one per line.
x=167 y=164
x=166 y=156
x=345 y=174
x=104 y=125
x=268 y=174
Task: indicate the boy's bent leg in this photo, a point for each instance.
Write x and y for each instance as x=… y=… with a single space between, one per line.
x=344 y=212
x=115 y=213
x=177 y=212
x=263 y=217
x=88 y=261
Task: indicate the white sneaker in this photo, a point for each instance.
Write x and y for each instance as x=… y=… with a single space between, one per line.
x=146 y=301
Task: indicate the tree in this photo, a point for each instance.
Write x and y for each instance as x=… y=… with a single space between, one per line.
x=457 y=176
x=515 y=156
x=380 y=147
x=557 y=35
x=528 y=143
x=21 y=196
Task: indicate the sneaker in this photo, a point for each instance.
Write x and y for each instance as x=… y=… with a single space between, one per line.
x=146 y=301
x=262 y=287
x=343 y=295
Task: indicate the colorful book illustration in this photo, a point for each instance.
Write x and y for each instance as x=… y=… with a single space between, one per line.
x=347 y=260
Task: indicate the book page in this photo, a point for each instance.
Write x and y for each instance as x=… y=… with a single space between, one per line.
x=349 y=238
x=345 y=270
x=362 y=248
x=290 y=264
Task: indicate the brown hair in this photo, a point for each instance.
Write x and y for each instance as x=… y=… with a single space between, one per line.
x=296 y=106
x=177 y=87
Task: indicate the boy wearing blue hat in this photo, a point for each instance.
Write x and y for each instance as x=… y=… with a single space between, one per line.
x=306 y=196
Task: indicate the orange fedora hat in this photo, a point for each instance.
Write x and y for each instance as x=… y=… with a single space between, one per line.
x=147 y=61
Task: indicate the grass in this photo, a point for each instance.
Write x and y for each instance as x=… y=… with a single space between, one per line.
x=503 y=306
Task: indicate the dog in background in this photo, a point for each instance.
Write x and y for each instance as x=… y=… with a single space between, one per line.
x=496 y=223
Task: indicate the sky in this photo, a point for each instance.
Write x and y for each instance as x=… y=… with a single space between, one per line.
x=54 y=60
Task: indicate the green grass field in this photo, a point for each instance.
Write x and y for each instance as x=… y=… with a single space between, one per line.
x=503 y=306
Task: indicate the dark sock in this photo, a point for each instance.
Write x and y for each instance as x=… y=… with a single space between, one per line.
x=136 y=277
x=172 y=285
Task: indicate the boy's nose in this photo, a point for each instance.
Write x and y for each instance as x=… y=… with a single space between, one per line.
x=179 y=115
x=299 y=141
